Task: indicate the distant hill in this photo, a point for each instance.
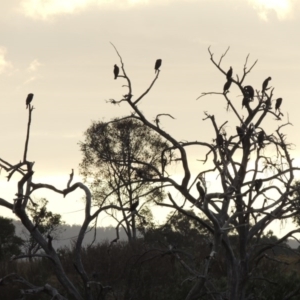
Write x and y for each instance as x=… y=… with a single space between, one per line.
x=69 y=233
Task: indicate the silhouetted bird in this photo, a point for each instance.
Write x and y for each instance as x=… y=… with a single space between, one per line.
x=200 y=190
x=28 y=100
x=278 y=103
x=240 y=132
x=268 y=103
x=249 y=91
x=220 y=140
x=134 y=205
x=227 y=85
x=157 y=65
x=229 y=74
x=258 y=184
x=265 y=84
x=260 y=139
x=116 y=71
x=245 y=101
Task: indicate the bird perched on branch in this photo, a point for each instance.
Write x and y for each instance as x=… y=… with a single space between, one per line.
x=220 y=140
x=249 y=92
x=268 y=103
x=278 y=103
x=240 y=132
x=258 y=184
x=134 y=205
x=260 y=139
x=28 y=100
x=227 y=85
x=200 y=190
x=245 y=101
x=157 y=65
x=265 y=84
x=116 y=71
x=229 y=74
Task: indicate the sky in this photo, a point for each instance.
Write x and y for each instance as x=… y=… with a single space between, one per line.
x=60 y=50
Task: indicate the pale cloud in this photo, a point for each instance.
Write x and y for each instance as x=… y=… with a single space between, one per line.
x=31 y=79
x=34 y=65
x=5 y=65
x=283 y=8
x=46 y=9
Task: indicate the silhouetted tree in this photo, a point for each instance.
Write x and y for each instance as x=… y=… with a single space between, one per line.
x=254 y=174
x=253 y=188
x=45 y=221
x=113 y=162
x=10 y=244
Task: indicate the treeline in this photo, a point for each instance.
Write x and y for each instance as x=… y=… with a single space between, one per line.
x=155 y=267
x=70 y=232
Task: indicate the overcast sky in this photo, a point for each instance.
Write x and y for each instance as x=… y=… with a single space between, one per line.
x=60 y=50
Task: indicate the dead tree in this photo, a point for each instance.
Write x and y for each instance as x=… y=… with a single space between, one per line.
x=24 y=171
x=254 y=174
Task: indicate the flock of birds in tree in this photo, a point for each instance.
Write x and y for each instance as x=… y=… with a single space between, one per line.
x=249 y=95
x=248 y=91
x=156 y=68
x=157 y=65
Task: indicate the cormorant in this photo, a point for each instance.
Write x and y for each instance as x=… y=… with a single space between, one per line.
x=220 y=140
x=134 y=205
x=116 y=71
x=249 y=91
x=28 y=100
x=245 y=101
x=278 y=103
x=260 y=139
x=265 y=84
x=268 y=103
x=157 y=65
x=227 y=85
x=240 y=132
x=229 y=74
x=258 y=184
x=200 y=190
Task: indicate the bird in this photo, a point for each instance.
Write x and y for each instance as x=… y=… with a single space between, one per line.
x=227 y=85
x=229 y=74
x=249 y=92
x=278 y=103
x=240 y=132
x=116 y=71
x=268 y=103
x=265 y=84
x=134 y=205
x=29 y=99
x=200 y=190
x=260 y=139
x=245 y=101
x=258 y=184
x=157 y=65
x=220 y=140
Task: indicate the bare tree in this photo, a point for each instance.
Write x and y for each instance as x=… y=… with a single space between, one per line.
x=25 y=189
x=254 y=177
x=254 y=174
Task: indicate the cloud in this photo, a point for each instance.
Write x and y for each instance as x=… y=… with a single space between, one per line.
x=283 y=8
x=34 y=65
x=46 y=9
x=33 y=75
x=5 y=65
